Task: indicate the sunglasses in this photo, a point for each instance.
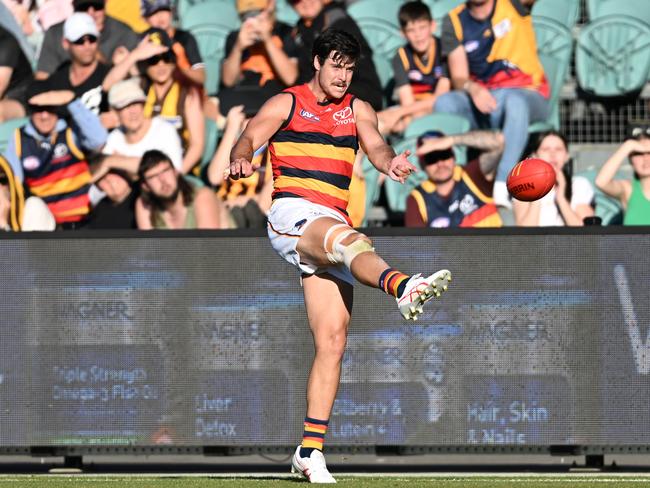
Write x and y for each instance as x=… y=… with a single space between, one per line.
x=436 y=156
x=85 y=7
x=639 y=132
x=85 y=39
x=165 y=58
x=34 y=109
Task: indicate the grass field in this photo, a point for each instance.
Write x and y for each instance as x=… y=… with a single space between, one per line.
x=181 y=481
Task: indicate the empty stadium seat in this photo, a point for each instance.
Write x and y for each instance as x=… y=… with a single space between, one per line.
x=210 y=22
x=566 y=12
x=613 y=56
x=554 y=46
x=440 y=8
x=639 y=9
x=285 y=13
x=7 y=129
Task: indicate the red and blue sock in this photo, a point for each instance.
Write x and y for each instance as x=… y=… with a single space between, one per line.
x=393 y=282
x=313 y=436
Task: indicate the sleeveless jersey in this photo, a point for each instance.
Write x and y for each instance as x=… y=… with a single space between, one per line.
x=638 y=207
x=56 y=171
x=501 y=50
x=422 y=78
x=313 y=152
x=466 y=206
x=170 y=108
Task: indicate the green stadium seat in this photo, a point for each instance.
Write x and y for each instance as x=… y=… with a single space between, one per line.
x=377 y=20
x=639 y=9
x=285 y=13
x=210 y=31
x=555 y=46
x=7 y=129
x=566 y=12
x=440 y=8
x=607 y=208
x=613 y=56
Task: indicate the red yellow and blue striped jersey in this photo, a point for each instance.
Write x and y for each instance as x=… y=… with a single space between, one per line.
x=501 y=50
x=56 y=171
x=313 y=153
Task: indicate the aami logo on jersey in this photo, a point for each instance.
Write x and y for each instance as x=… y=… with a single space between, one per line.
x=309 y=116
x=344 y=116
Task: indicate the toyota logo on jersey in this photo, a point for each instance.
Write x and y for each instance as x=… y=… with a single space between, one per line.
x=343 y=116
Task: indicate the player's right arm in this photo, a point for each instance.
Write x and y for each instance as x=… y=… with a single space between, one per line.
x=621 y=189
x=259 y=130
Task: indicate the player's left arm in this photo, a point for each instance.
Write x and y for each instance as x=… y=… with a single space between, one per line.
x=380 y=154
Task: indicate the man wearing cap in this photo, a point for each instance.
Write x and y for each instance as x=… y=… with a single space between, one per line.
x=49 y=154
x=83 y=73
x=114 y=36
x=453 y=195
x=158 y=14
x=137 y=134
x=261 y=58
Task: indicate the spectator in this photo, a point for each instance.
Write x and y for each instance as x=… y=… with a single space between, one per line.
x=15 y=76
x=117 y=209
x=17 y=212
x=158 y=14
x=137 y=134
x=247 y=199
x=261 y=58
x=115 y=39
x=48 y=154
x=566 y=204
x=315 y=17
x=169 y=201
x=634 y=195
x=455 y=196
x=83 y=73
x=419 y=72
x=498 y=79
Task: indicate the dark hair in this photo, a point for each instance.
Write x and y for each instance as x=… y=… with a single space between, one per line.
x=567 y=169
x=340 y=44
x=412 y=11
x=152 y=158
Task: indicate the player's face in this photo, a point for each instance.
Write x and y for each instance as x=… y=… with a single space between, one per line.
x=419 y=34
x=131 y=117
x=553 y=150
x=442 y=171
x=161 y=19
x=334 y=76
x=161 y=180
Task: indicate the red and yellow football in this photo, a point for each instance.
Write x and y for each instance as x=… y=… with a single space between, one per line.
x=531 y=179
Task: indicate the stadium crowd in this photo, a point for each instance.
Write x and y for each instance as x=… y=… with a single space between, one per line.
x=108 y=123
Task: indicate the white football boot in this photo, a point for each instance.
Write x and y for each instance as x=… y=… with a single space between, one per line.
x=419 y=290
x=313 y=468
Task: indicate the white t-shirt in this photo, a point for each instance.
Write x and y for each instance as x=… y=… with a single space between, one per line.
x=582 y=193
x=162 y=136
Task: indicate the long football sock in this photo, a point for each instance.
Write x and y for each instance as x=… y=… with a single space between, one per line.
x=313 y=436
x=393 y=282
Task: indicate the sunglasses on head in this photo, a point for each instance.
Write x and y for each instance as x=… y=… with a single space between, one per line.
x=166 y=58
x=640 y=132
x=83 y=40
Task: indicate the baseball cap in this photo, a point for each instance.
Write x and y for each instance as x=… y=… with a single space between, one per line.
x=125 y=93
x=244 y=6
x=433 y=156
x=150 y=7
x=79 y=24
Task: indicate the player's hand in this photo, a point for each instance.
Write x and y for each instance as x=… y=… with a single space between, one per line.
x=240 y=168
x=399 y=168
x=435 y=144
x=482 y=98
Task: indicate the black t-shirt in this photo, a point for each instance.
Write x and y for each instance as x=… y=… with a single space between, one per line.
x=187 y=40
x=110 y=215
x=90 y=91
x=12 y=56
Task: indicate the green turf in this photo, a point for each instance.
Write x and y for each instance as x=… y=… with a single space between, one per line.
x=600 y=481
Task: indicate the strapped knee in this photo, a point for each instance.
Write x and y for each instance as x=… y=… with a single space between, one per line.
x=339 y=253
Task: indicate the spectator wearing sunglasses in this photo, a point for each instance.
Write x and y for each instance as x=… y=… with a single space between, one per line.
x=49 y=154
x=115 y=39
x=634 y=195
x=453 y=195
x=83 y=73
x=158 y=14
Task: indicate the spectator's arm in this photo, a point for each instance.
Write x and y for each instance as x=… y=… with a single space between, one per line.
x=145 y=49
x=621 y=189
x=489 y=143
x=221 y=160
x=142 y=215
x=195 y=123
x=207 y=209
x=195 y=76
x=5 y=76
x=526 y=213
x=88 y=128
x=49 y=59
x=231 y=65
x=195 y=69
x=115 y=161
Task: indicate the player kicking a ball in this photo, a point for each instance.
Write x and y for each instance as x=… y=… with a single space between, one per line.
x=314 y=131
